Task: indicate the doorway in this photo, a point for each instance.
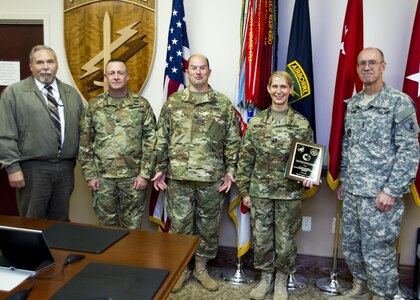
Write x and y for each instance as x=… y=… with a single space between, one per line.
x=21 y=36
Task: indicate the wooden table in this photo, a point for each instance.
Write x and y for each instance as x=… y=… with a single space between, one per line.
x=139 y=248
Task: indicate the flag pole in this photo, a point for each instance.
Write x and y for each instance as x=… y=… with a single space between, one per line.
x=295 y=281
x=238 y=276
x=404 y=292
x=332 y=285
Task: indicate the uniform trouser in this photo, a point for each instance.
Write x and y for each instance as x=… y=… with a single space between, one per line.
x=369 y=237
x=118 y=203
x=48 y=188
x=275 y=224
x=196 y=208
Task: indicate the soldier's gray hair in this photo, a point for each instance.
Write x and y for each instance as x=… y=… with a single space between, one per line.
x=38 y=48
x=381 y=54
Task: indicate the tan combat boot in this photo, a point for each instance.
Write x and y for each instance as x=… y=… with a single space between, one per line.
x=280 y=287
x=358 y=291
x=264 y=287
x=200 y=272
x=184 y=276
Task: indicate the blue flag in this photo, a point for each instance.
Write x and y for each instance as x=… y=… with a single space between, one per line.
x=299 y=63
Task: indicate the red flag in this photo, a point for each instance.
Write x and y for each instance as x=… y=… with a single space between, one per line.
x=267 y=52
x=412 y=85
x=258 y=48
x=346 y=80
x=177 y=56
x=252 y=57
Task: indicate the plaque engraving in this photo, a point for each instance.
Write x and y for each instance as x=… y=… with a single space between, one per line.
x=305 y=161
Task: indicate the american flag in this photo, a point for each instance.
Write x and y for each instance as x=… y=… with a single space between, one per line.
x=177 y=56
x=178 y=51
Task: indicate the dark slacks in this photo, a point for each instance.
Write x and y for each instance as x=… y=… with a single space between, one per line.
x=47 y=191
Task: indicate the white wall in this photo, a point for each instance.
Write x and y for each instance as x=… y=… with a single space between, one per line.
x=213 y=29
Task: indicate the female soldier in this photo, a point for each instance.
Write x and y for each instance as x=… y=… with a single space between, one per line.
x=274 y=200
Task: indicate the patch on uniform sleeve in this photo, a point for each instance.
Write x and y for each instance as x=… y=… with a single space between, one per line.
x=408 y=121
x=410 y=125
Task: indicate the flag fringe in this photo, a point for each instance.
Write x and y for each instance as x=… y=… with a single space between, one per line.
x=415 y=194
x=311 y=192
x=333 y=183
x=158 y=222
x=244 y=249
x=236 y=204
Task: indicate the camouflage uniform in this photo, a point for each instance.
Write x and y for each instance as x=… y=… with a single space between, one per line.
x=380 y=153
x=197 y=144
x=116 y=145
x=276 y=200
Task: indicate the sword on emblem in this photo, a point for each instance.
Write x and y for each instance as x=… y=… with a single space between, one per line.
x=106 y=47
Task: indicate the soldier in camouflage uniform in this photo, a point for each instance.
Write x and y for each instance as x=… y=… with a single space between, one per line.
x=274 y=200
x=116 y=150
x=197 y=149
x=380 y=155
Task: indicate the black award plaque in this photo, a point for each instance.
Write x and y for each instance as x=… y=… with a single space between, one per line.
x=305 y=161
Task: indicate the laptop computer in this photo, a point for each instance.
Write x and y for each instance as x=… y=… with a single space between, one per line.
x=24 y=253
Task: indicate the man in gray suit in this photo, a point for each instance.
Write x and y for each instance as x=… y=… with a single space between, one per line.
x=39 y=138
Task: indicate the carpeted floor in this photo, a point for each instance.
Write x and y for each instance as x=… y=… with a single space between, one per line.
x=193 y=290
x=312 y=267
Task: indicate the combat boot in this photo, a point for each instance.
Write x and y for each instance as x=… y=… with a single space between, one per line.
x=358 y=291
x=280 y=287
x=264 y=287
x=377 y=297
x=184 y=276
x=200 y=272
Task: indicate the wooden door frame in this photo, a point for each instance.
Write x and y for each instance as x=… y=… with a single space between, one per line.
x=12 y=20
x=29 y=19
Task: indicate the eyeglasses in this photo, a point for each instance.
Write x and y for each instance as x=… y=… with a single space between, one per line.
x=370 y=63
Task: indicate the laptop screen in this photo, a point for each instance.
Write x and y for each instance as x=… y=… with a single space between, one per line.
x=24 y=249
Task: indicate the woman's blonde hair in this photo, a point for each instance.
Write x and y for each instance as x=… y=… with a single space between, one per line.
x=281 y=74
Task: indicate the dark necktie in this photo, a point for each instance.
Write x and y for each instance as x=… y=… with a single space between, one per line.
x=55 y=117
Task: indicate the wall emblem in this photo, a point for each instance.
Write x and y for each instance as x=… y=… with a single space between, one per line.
x=96 y=31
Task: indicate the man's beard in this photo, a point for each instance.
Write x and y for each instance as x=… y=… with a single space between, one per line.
x=46 y=78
